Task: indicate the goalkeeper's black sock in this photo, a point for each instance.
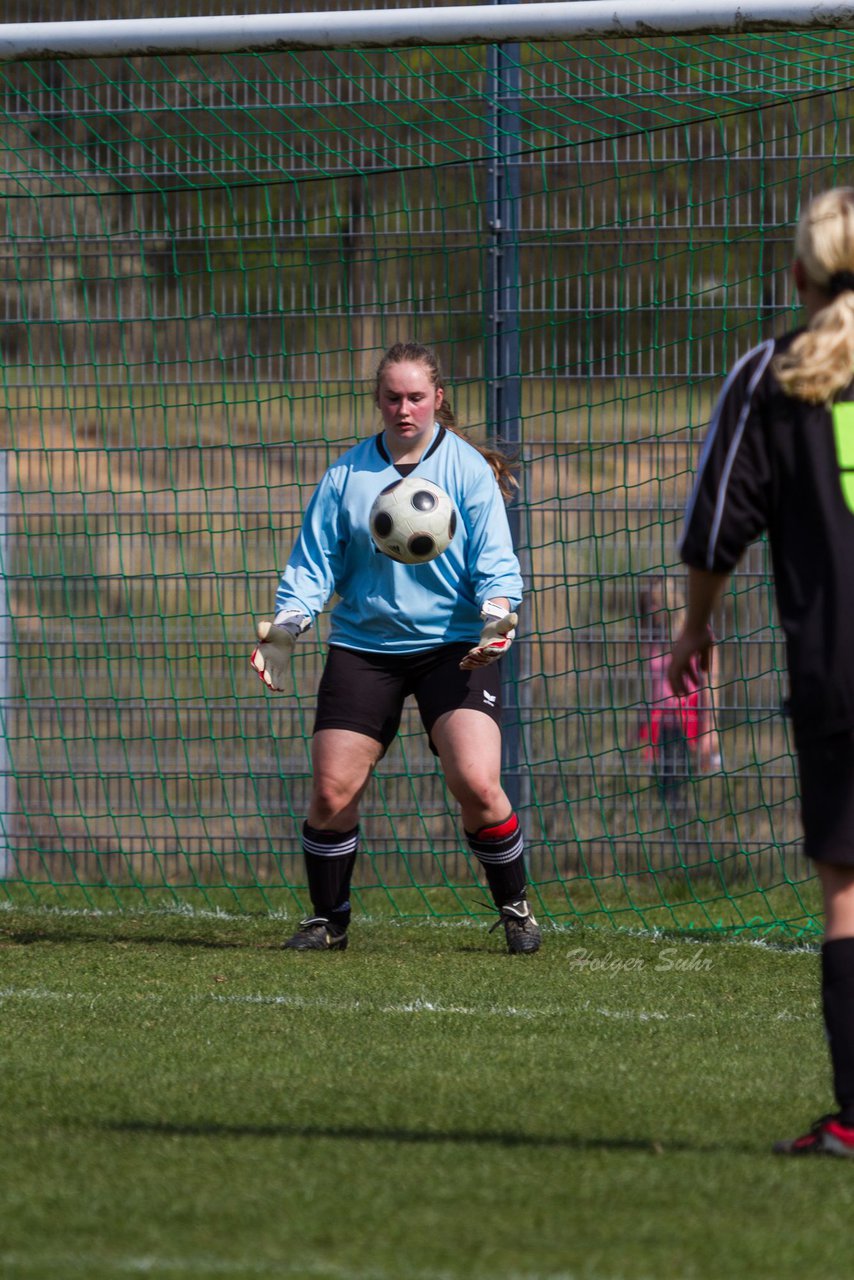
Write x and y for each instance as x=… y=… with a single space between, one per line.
x=837 y=992
x=329 y=860
x=500 y=851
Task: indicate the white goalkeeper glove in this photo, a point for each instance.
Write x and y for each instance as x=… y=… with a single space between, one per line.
x=495 y=638
x=276 y=640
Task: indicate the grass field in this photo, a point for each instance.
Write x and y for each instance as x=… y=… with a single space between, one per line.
x=182 y=1099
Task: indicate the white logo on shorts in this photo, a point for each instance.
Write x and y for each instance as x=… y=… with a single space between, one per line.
x=489 y=698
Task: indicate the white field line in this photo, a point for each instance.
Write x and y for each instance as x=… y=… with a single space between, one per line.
x=202 y=1265
x=417 y=1006
x=186 y=911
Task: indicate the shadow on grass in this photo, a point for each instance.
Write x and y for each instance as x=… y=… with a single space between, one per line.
x=30 y=935
x=420 y=1137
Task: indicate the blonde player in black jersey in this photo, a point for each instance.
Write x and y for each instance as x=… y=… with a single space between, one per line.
x=779 y=458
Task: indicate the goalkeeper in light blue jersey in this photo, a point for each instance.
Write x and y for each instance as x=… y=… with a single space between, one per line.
x=434 y=630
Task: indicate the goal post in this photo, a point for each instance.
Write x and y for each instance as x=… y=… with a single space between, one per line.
x=397 y=28
x=206 y=249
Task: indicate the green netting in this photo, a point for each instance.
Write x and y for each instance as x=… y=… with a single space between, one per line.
x=201 y=261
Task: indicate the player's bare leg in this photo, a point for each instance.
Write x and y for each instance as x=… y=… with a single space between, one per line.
x=342 y=763
x=469 y=747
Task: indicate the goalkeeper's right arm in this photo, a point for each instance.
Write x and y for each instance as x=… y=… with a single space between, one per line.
x=276 y=640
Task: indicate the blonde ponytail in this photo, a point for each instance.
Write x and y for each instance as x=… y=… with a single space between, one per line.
x=820 y=361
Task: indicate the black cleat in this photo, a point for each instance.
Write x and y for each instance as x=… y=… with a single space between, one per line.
x=827 y=1137
x=317 y=933
x=520 y=927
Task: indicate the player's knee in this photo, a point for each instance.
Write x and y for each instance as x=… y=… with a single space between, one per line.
x=484 y=793
x=331 y=804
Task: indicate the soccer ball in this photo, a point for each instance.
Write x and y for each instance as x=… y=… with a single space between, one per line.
x=412 y=521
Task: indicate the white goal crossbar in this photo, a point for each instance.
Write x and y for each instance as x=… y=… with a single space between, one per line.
x=390 y=28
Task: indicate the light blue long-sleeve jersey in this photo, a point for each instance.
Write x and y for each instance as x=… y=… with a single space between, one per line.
x=386 y=607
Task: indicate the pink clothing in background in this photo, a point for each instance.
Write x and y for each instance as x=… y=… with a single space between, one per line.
x=664 y=707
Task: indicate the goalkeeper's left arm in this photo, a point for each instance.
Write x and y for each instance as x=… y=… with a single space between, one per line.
x=499 y=629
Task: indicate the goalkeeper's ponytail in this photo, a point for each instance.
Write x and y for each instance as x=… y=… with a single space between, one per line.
x=415 y=353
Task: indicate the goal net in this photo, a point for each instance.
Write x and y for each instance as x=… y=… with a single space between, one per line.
x=203 y=257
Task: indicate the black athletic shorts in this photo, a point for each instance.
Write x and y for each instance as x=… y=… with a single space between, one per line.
x=365 y=692
x=826 y=768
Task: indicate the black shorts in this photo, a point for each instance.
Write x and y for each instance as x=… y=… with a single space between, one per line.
x=365 y=692
x=826 y=768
